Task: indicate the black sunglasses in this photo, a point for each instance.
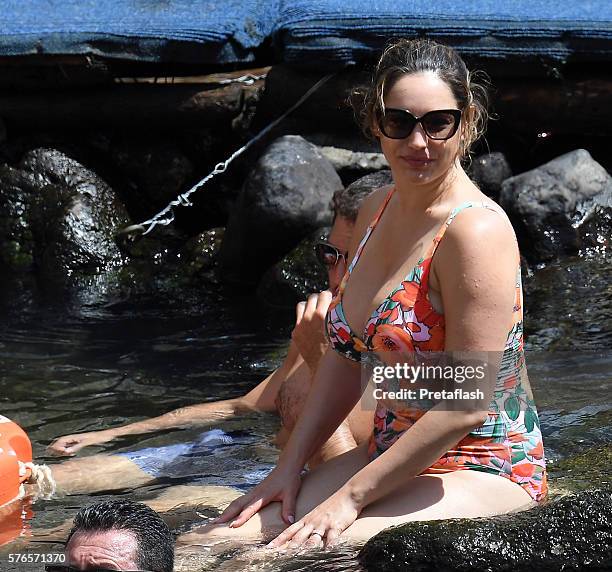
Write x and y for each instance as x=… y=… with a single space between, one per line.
x=439 y=124
x=328 y=255
x=66 y=568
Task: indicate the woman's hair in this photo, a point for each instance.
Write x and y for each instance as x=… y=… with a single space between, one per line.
x=403 y=57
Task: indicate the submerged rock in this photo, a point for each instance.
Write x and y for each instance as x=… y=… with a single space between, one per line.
x=285 y=197
x=573 y=533
x=489 y=171
x=549 y=205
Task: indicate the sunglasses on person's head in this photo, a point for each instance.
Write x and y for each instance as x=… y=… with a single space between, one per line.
x=329 y=255
x=66 y=568
x=439 y=124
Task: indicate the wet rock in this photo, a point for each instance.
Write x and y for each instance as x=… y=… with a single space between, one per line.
x=74 y=216
x=16 y=241
x=581 y=472
x=489 y=171
x=296 y=276
x=354 y=161
x=285 y=197
x=572 y=533
x=299 y=273
x=550 y=204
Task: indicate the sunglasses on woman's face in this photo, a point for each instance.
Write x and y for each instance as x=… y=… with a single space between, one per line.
x=439 y=124
x=328 y=255
x=66 y=568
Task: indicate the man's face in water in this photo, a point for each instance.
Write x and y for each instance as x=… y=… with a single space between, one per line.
x=339 y=236
x=110 y=549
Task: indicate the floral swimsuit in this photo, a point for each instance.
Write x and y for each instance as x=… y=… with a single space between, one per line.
x=509 y=443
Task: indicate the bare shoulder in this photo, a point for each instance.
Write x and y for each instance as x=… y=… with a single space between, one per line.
x=477 y=238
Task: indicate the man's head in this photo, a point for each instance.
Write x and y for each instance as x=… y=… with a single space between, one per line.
x=120 y=535
x=346 y=204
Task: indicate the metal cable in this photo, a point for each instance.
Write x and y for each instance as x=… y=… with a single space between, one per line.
x=166 y=216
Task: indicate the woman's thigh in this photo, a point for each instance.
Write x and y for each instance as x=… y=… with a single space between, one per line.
x=459 y=494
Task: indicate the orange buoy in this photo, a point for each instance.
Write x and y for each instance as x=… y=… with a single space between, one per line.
x=15 y=449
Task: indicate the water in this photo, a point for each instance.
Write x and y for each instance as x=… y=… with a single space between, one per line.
x=63 y=373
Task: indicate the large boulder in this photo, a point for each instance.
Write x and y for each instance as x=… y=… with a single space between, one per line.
x=74 y=216
x=285 y=197
x=572 y=533
x=556 y=207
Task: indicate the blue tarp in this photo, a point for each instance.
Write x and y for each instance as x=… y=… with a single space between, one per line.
x=206 y=31
x=311 y=32
x=346 y=31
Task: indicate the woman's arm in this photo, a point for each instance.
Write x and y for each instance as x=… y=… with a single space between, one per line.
x=335 y=391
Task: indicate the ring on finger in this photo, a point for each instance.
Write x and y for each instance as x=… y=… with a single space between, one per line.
x=318 y=533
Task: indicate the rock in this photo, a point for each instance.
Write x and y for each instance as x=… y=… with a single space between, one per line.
x=549 y=205
x=74 y=216
x=286 y=197
x=573 y=533
x=296 y=276
x=489 y=171
x=354 y=161
x=16 y=241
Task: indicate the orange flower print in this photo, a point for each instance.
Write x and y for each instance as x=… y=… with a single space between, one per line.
x=537 y=451
x=406 y=295
x=392 y=338
x=523 y=470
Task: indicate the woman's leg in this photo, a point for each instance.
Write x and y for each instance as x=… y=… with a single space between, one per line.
x=459 y=494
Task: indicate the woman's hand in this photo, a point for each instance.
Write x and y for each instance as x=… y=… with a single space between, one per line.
x=280 y=485
x=322 y=525
x=70 y=444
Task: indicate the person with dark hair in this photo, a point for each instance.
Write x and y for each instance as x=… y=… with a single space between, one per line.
x=118 y=535
x=285 y=390
x=435 y=267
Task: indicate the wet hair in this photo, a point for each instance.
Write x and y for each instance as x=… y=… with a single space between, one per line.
x=154 y=541
x=402 y=57
x=346 y=202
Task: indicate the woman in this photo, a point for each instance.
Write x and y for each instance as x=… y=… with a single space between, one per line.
x=437 y=269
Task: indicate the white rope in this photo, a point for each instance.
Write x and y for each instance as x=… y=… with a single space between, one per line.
x=166 y=215
x=43 y=478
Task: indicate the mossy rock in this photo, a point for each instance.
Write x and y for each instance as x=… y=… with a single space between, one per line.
x=572 y=533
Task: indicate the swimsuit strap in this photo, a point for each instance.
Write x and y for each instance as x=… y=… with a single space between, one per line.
x=369 y=231
x=440 y=234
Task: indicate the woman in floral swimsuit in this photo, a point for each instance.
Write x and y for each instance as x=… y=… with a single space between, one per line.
x=437 y=269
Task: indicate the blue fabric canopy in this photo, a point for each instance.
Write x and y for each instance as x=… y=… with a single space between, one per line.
x=205 y=31
x=344 y=32
x=331 y=33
